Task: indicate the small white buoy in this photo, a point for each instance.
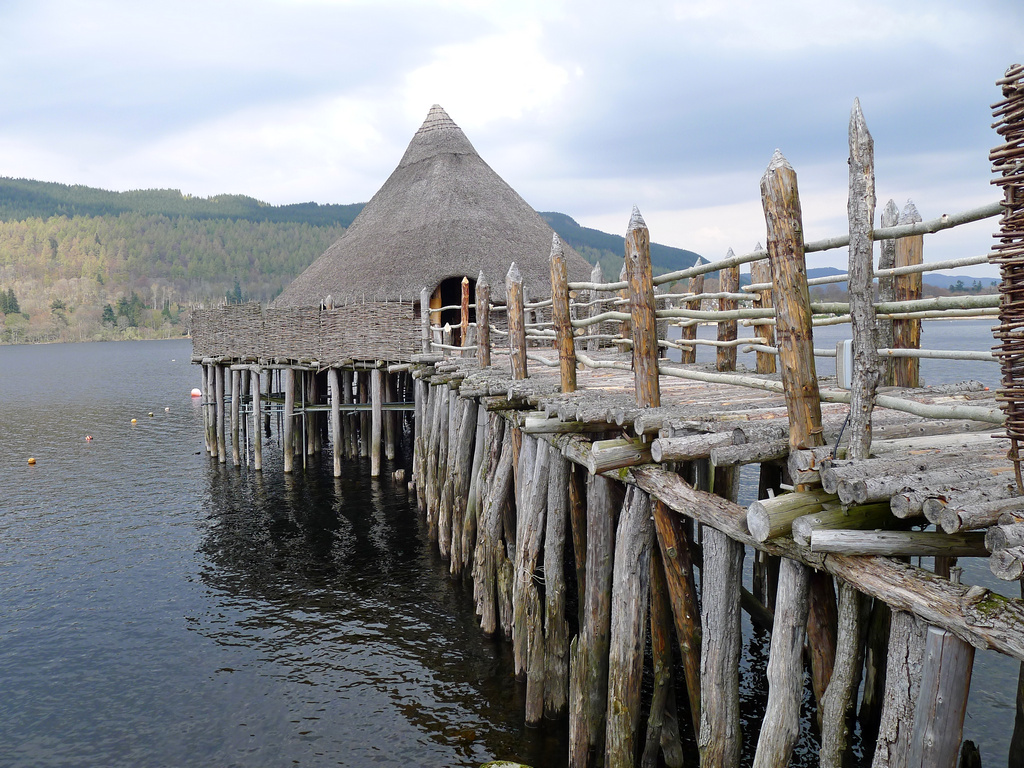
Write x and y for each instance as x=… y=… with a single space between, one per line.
x=167 y=409
x=197 y=392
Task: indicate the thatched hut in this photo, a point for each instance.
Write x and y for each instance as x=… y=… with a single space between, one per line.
x=442 y=215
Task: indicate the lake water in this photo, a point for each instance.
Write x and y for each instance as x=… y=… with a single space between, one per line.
x=158 y=609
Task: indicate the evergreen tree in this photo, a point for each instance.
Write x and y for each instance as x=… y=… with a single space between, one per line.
x=109 y=318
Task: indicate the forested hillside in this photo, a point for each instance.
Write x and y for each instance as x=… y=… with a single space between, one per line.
x=24 y=198
x=79 y=263
x=599 y=247
x=83 y=263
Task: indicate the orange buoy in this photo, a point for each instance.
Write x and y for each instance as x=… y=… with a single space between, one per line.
x=197 y=392
x=31 y=461
x=133 y=421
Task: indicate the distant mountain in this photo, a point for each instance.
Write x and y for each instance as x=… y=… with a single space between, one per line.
x=24 y=199
x=600 y=247
x=934 y=279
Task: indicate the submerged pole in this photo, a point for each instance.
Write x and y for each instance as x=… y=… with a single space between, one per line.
x=257 y=406
x=337 y=440
x=288 y=432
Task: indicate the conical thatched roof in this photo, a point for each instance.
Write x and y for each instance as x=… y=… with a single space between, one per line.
x=442 y=213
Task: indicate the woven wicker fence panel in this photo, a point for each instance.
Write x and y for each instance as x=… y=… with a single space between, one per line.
x=291 y=333
x=201 y=329
x=1008 y=164
x=241 y=325
x=371 y=331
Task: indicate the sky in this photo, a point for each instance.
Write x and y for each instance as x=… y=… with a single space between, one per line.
x=585 y=107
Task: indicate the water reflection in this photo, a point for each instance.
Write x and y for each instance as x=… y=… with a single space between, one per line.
x=331 y=583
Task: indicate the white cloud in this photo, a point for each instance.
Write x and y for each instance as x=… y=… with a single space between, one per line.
x=498 y=76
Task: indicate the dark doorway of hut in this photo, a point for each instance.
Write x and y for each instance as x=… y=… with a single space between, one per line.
x=445 y=305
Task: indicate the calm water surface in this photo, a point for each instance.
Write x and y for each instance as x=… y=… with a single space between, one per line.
x=158 y=609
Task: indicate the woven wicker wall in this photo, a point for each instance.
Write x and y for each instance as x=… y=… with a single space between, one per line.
x=371 y=331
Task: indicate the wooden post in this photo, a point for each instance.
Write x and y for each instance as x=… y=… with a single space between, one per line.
x=902 y=685
x=588 y=684
x=348 y=423
x=674 y=544
x=288 y=433
x=641 y=305
x=389 y=417
x=761 y=272
x=464 y=453
x=578 y=524
x=822 y=626
x=210 y=407
x=221 y=447
x=556 y=630
x=236 y=397
x=662 y=729
x=425 y=320
x=365 y=416
x=907 y=333
x=499 y=492
x=483 y=321
x=625 y=327
x=560 y=316
x=781 y=725
x=1017 y=739
x=593 y=343
x=310 y=416
x=450 y=444
x=516 y=322
x=720 y=739
x=861 y=211
x=728 y=282
x=841 y=694
x=337 y=441
x=695 y=285
x=464 y=312
x=886 y=289
x=781 y=201
x=630 y=590
x=942 y=703
x=257 y=427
